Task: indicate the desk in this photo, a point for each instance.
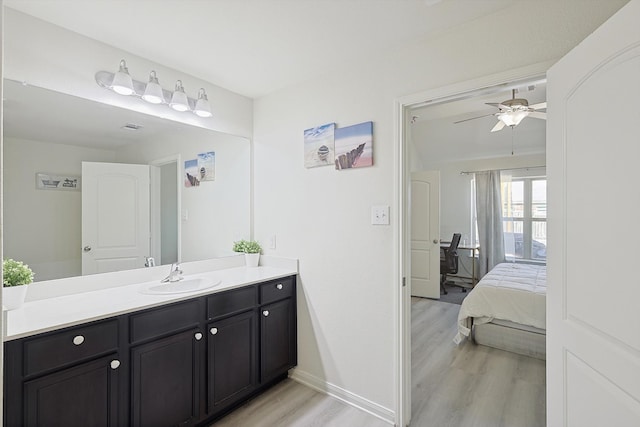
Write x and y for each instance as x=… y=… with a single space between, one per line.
x=475 y=253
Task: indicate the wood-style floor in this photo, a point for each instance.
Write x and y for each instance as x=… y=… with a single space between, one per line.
x=455 y=386
x=469 y=385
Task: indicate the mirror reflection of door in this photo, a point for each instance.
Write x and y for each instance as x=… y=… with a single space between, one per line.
x=115 y=216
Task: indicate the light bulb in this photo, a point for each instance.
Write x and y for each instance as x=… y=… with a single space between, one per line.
x=153 y=90
x=122 y=81
x=179 y=100
x=203 y=109
x=513 y=118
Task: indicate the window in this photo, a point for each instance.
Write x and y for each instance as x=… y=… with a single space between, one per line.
x=524 y=212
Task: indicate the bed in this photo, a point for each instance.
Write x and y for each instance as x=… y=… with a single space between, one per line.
x=507 y=310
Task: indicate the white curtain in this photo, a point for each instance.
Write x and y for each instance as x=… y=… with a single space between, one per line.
x=508 y=224
x=489 y=214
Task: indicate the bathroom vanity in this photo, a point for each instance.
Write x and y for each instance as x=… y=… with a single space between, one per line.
x=175 y=360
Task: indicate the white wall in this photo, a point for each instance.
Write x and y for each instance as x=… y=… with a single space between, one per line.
x=346 y=312
x=42 y=227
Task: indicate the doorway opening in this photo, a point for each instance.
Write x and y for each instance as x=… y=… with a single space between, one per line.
x=165 y=220
x=449 y=130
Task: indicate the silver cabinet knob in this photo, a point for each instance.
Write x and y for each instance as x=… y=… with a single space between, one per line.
x=435 y=241
x=78 y=339
x=265 y=313
x=213 y=331
x=86 y=248
x=279 y=286
x=198 y=336
x=115 y=364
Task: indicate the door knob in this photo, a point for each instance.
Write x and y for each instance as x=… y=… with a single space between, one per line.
x=265 y=313
x=214 y=331
x=198 y=336
x=115 y=364
x=435 y=241
x=86 y=248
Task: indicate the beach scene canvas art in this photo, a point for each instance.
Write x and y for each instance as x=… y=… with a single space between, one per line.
x=319 y=146
x=191 y=173
x=207 y=166
x=354 y=146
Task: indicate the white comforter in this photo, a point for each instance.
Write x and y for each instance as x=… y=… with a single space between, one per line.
x=513 y=292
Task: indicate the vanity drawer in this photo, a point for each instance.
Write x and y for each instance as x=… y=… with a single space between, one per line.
x=230 y=302
x=68 y=346
x=163 y=320
x=276 y=290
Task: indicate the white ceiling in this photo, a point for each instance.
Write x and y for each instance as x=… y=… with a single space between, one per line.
x=255 y=47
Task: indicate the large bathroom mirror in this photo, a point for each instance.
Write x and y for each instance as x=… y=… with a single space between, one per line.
x=47 y=137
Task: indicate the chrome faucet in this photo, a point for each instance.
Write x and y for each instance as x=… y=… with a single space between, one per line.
x=175 y=274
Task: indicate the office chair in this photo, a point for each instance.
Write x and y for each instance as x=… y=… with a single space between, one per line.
x=449 y=261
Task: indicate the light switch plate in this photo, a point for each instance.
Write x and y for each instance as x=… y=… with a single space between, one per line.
x=380 y=215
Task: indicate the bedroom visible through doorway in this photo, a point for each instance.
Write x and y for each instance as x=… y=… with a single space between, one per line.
x=453 y=135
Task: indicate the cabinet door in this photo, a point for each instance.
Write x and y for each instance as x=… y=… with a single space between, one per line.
x=232 y=359
x=85 y=395
x=277 y=339
x=165 y=377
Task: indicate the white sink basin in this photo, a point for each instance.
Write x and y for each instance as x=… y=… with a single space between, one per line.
x=181 y=286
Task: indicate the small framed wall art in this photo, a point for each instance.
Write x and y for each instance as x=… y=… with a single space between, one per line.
x=47 y=181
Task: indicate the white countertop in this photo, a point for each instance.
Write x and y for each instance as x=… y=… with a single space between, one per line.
x=53 y=313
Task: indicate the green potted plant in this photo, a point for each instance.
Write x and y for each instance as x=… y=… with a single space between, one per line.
x=251 y=250
x=16 y=275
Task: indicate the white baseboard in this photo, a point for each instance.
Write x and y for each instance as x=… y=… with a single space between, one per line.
x=343 y=395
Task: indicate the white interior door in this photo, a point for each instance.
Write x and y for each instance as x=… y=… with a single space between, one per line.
x=593 y=147
x=115 y=216
x=425 y=234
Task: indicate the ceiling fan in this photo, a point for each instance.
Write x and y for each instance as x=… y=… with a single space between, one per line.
x=512 y=111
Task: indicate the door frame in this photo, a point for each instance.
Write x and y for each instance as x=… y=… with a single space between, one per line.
x=401 y=223
x=155 y=215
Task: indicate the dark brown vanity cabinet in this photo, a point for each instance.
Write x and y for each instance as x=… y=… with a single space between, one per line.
x=181 y=364
x=167 y=344
x=72 y=377
x=232 y=347
x=278 y=346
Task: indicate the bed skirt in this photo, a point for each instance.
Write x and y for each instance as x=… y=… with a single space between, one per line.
x=509 y=336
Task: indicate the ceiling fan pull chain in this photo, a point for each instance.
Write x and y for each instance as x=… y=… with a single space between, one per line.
x=512 y=129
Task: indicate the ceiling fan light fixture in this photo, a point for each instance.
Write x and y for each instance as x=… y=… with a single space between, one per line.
x=122 y=81
x=153 y=91
x=512 y=118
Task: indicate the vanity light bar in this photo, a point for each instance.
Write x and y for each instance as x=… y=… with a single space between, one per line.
x=121 y=82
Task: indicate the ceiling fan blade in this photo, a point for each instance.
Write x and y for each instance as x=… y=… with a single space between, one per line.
x=498 y=126
x=540 y=106
x=498 y=105
x=473 y=118
x=538 y=115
